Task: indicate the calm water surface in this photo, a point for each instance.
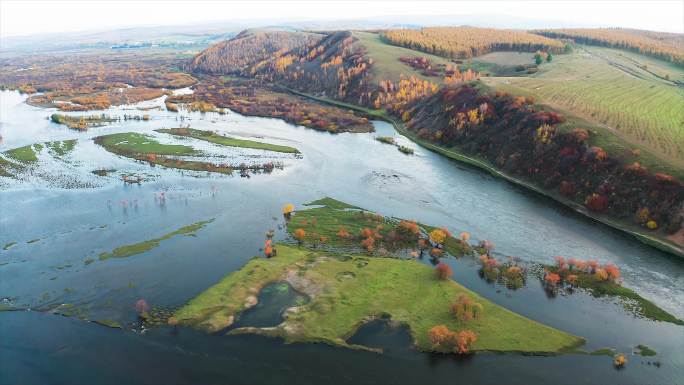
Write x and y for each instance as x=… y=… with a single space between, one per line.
x=66 y=226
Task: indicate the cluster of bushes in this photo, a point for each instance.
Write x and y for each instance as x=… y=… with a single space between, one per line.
x=577 y=272
x=525 y=141
x=510 y=273
x=460 y=342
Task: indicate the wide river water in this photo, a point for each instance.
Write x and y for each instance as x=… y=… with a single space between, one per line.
x=60 y=214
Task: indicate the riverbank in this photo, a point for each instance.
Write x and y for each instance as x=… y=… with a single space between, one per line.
x=648 y=239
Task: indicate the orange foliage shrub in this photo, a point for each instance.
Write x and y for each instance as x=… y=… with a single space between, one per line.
x=552 y=279
x=368 y=244
x=464 y=341
x=343 y=234
x=443 y=271
x=438 y=335
x=465 y=309
x=299 y=235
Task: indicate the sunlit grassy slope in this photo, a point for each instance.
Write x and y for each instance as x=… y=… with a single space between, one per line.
x=634 y=97
x=386 y=64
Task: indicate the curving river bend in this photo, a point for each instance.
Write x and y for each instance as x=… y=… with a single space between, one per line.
x=74 y=224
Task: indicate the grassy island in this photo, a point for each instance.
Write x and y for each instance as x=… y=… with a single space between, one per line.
x=213 y=137
x=347 y=291
x=145 y=148
x=141 y=247
x=14 y=161
x=598 y=281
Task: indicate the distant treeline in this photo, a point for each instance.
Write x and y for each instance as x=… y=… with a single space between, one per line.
x=467 y=42
x=661 y=45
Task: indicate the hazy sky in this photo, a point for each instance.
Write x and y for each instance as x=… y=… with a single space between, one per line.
x=26 y=17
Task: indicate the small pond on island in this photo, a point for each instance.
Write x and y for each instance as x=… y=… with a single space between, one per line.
x=59 y=218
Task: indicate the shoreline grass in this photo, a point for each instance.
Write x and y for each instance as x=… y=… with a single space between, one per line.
x=132 y=143
x=212 y=137
x=631 y=300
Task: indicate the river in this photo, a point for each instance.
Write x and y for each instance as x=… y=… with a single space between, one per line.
x=100 y=214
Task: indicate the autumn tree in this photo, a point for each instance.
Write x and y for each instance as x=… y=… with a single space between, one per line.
x=288 y=209
x=443 y=271
x=465 y=340
x=465 y=309
x=439 y=335
x=552 y=279
x=438 y=236
x=343 y=233
x=299 y=235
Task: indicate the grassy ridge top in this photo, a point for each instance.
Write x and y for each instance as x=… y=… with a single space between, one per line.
x=346 y=292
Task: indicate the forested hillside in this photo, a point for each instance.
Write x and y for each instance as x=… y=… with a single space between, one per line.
x=530 y=143
x=467 y=42
x=247 y=49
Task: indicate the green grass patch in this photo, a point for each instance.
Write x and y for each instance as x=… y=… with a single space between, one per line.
x=405 y=290
x=212 y=137
x=23 y=154
x=191 y=165
x=645 y=351
x=331 y=203
x=141 y=247
x=322 y=226
x=386 y=64
x=108 y=323
x=133 y=143
x=603 y=352
x=61 y=148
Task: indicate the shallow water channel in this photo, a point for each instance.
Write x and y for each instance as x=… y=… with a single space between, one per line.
x=60 y=215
